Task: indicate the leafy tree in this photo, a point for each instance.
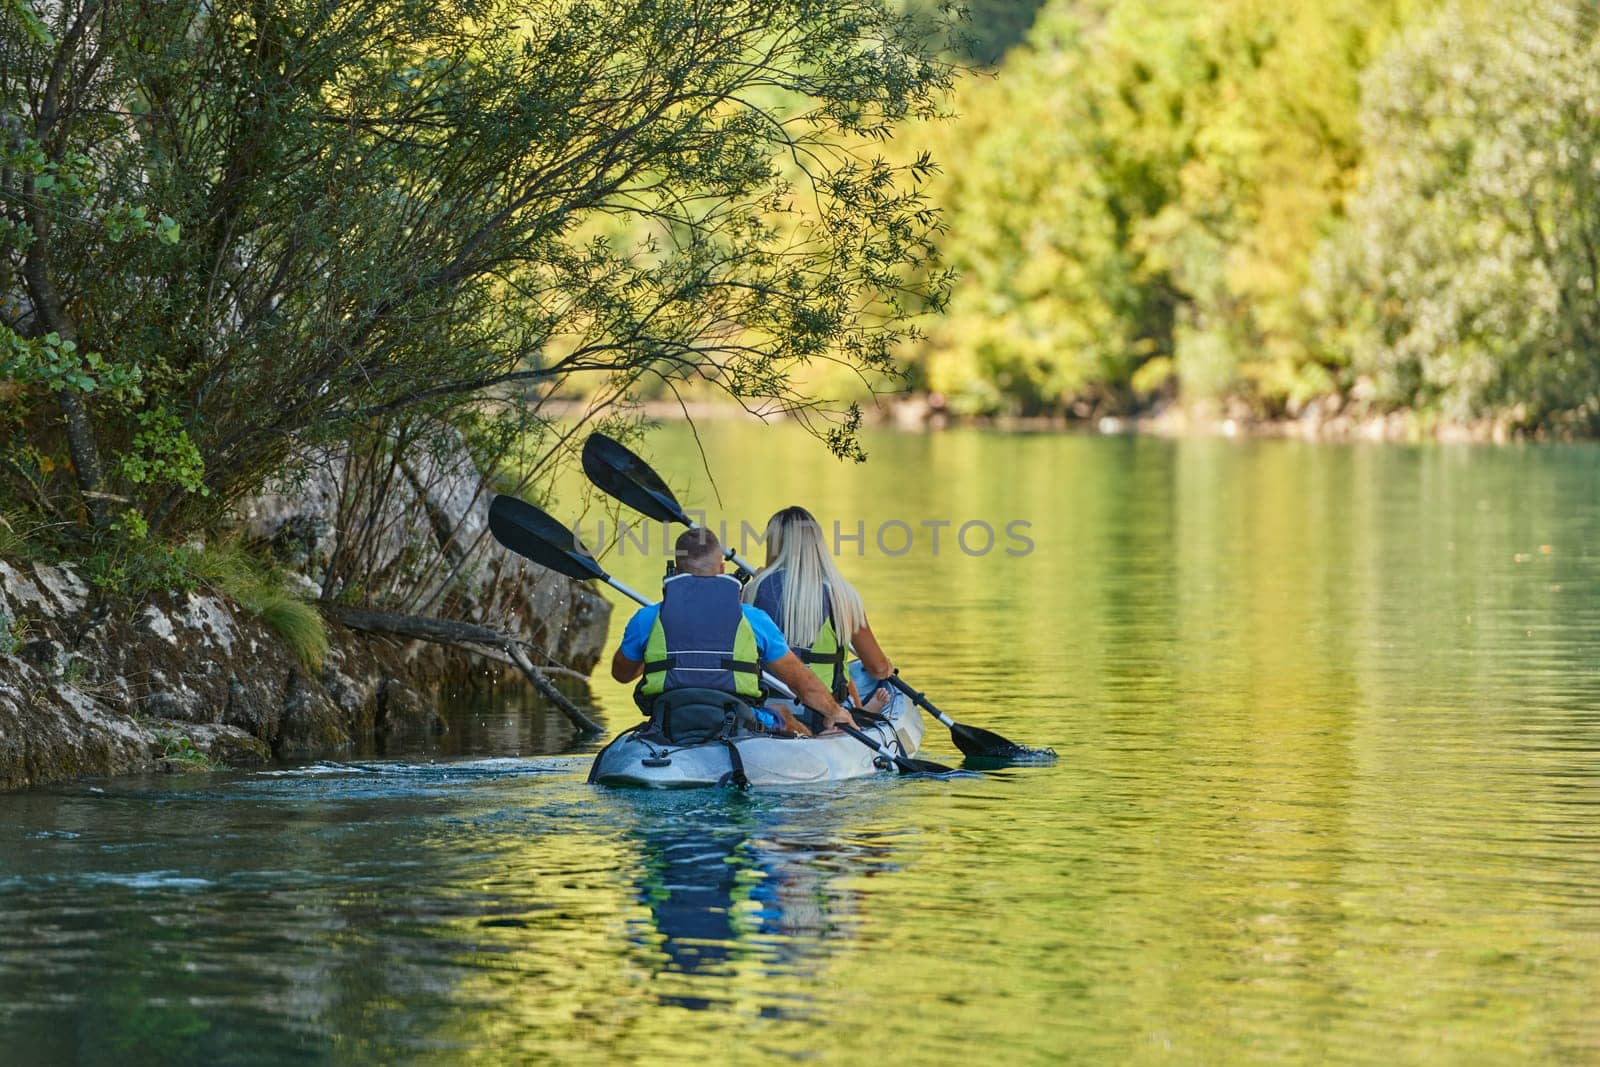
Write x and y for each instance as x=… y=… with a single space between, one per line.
x=1465 y=282
x=1135 y=199
x=988 y=29
x=1053 y=299
x=231 y=231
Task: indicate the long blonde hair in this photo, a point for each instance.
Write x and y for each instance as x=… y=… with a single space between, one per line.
x=795 y=546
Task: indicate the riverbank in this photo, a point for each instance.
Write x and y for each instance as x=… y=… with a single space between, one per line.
x=194 y=679
x=331 y=619
x=1317 y=423
x=1324 y=419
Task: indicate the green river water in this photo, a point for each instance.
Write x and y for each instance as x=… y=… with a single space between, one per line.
x=1328 y=792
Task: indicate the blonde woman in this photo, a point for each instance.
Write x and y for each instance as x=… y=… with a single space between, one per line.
x=819 y=612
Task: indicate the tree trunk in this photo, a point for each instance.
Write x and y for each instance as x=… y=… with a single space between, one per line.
x=47 y=302
x=81 y=442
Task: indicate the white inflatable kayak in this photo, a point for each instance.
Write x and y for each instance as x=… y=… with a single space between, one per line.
x=632 y=760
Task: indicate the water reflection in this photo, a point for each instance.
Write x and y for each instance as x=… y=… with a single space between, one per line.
x=737 y=881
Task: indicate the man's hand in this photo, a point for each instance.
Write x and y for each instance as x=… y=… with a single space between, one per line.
x=831 y=721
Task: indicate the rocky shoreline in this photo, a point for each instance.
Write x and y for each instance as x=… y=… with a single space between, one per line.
x=96 y=685
x=191 y=677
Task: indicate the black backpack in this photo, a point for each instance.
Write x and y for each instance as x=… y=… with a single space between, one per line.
x=696 y=716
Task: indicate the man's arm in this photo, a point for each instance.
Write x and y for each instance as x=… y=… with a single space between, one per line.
x=808 y=688
x=624 y=669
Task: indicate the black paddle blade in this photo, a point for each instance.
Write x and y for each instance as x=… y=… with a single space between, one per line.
x=911 y=765
x=984 y=744
x=621 y=474
x=972 y=740
x=530 y=532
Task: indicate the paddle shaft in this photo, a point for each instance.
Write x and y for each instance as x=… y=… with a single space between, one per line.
x=904 y=765
x=918 y=699
x=631 y=594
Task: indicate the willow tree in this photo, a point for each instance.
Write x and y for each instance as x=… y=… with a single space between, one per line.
x=234 y=230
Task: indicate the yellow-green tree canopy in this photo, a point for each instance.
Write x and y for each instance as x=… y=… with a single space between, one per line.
x=1136 y=196
x=1466 y=280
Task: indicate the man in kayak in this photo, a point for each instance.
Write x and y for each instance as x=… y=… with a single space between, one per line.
x=701 y=636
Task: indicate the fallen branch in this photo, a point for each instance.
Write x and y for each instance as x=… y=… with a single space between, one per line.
x=449 y=632
x=499 y=655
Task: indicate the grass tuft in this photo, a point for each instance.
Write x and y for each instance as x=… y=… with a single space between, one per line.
x=21 y=540
x=261 y=590
x=298 y=623
x=11 y=543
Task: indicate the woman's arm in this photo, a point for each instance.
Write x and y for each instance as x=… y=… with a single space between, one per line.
x=871 y=653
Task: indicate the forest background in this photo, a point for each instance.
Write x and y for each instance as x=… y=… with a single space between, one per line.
x=241 y=242
x=1265 y=208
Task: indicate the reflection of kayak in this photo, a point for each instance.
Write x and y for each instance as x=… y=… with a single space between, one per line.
x=638 y=760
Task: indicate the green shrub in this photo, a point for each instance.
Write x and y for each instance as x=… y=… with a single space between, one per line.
x=178 y=753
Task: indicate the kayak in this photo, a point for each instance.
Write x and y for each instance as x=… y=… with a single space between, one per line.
x=632 y=760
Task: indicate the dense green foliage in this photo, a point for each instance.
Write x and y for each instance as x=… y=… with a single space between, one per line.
x=1466 y=281
x=233 y=232
x=1138 y=194
x=1246 y=202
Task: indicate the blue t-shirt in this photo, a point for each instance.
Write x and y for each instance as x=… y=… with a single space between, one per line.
x=770 y=645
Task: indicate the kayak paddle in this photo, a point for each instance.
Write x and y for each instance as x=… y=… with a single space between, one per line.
x=531 y=532
x=972 y=740
x=620 y=473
